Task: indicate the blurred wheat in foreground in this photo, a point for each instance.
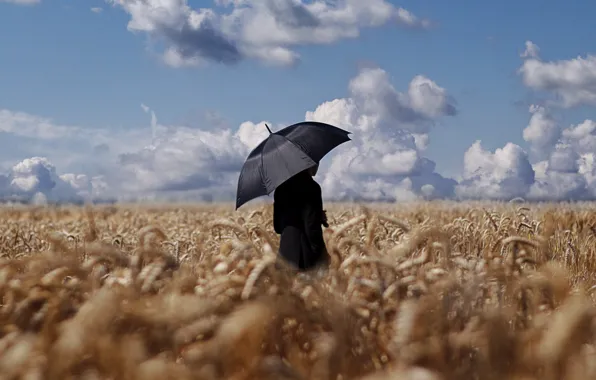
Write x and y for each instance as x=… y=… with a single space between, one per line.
x=428 y=291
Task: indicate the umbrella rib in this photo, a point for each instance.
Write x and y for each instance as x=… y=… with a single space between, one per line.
x=285 y=163
x=261 y=170
x=297 y=146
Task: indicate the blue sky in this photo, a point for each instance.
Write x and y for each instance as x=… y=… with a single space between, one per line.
x=64 y=62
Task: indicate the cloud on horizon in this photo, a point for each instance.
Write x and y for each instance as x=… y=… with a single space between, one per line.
x=386 y=160
x=561 y=162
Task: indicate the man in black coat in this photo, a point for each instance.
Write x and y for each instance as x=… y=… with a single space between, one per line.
x=298 y=215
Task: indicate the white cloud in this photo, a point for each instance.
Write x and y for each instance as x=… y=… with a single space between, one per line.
x=542 y=131
x=96 y=10
x=26 y=125
x=532 y=50
x=567 y=172
x=263 y=30
x=587 y=168
x=572 y=80
x=384 y=160
x=251 y=134
x=559 y=177
x=564 y=167
x=136 y=163
x=582 y=136
x=31 y=135
x=502 y=175
x=563 y=157
x=182 y=159
x=35 y=179
x=154 y=126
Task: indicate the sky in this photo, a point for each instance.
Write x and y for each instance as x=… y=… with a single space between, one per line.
x=164 y=99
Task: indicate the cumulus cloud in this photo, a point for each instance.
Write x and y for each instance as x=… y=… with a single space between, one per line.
x=564 y=156
x=502 y=175
x=185 y=163
x=160 y=162
x=582 y=136
x=560 y=162
x=185 y=159
x=35 y=179
x=573 y=81
x=559 y=177
x=542 y=132
x=26 y=135
x=385 y=161
x=50 y=145
x=562 y=169
x=566 y=170
x=131 y=164
x=262 y=30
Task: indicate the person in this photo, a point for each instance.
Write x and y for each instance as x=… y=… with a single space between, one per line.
x=298 y=216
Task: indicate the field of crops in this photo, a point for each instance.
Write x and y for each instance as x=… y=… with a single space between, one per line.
x=425 y=291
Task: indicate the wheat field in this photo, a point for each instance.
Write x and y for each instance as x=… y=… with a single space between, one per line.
x=429 y=291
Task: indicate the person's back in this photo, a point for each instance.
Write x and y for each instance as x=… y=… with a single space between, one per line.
x=298 y=216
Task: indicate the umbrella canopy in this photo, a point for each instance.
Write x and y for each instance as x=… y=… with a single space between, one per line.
x=284 y=154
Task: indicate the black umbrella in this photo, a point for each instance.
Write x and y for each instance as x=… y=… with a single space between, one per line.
x=284 y=154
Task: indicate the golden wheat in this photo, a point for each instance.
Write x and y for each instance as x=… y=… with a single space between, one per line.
x=434 y=290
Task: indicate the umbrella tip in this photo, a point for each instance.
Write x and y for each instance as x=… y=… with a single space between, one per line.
x=268 y=128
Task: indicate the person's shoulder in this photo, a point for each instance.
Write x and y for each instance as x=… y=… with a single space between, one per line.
x=313 y=187
x=280 y=190
x=315 y=184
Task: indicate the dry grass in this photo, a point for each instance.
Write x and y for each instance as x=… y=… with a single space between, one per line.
x=431 y=291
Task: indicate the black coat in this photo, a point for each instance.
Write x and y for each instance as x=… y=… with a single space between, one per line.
x=298 y=217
